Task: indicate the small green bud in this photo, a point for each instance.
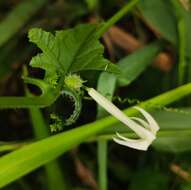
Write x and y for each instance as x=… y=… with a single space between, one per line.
x=73 y=81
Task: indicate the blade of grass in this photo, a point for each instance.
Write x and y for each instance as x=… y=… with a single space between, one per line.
x=160 y=17
x=28 y=158
x=55 y=178
x=134 y=64
x=7 y=146
x=18 y=18
x=181 y=28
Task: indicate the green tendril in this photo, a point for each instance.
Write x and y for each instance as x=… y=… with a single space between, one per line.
x=58 y=121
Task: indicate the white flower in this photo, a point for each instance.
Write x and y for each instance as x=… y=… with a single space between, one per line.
x=146 y=130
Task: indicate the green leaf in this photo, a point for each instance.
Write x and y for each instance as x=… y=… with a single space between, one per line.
x=174 y=121
x=133 y=65
x=159 y=14
x=48 y=60
x=69 y=51
x=173 y=143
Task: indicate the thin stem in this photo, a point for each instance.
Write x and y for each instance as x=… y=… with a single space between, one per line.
x=102 y=157
x=48 y=96
x=27 y=102
x=102 y=164
x=166 y=98
x=116 y=17
x=182 y=47
x=108 y=80
x=181 y=27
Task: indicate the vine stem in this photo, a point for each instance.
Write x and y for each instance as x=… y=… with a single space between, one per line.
x=116 y=17
x=27 y=102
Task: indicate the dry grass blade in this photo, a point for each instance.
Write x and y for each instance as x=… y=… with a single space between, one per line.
x=130 y=44
x=180 y=172
x=85 y=174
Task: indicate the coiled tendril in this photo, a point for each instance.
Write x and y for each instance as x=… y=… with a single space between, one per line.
x=71 y=90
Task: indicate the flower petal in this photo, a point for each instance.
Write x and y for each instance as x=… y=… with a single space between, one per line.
x=152 y=123
x=141 y=121
x=139 y=144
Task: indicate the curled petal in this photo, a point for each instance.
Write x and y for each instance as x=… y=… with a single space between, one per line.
x=141 y=121
x=139 y=144
x=152 y=123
